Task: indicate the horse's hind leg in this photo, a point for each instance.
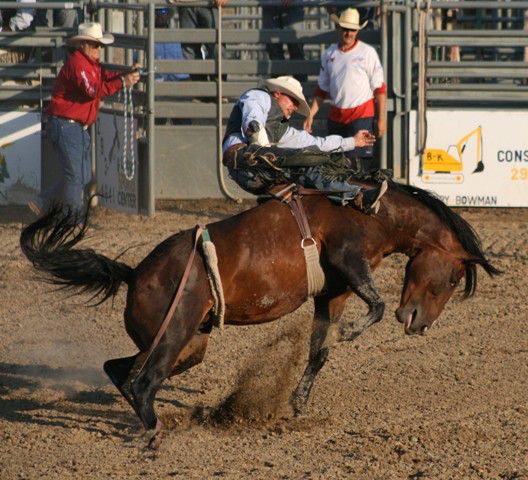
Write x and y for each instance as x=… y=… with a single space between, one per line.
x=119 y=371
x=194 y=352
x=122 y=371
x=328 y=311
x=161 y=364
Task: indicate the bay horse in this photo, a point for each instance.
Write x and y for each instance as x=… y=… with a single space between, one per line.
x=263 y=272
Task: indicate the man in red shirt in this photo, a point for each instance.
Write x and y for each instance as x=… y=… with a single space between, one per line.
x=75 y=100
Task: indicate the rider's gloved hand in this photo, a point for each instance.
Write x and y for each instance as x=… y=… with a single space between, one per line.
x=257 y=134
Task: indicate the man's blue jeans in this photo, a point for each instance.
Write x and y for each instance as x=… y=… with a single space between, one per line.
x=347 y=191
x=72 y=145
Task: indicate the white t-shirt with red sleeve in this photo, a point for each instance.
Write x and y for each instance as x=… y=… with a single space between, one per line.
x=350 y=78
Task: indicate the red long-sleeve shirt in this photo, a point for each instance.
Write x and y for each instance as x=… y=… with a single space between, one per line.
x=79 y=87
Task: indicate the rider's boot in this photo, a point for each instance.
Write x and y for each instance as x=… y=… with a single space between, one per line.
x=368 y=201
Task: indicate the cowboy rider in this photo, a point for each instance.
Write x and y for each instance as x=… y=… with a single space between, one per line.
x=258 y=125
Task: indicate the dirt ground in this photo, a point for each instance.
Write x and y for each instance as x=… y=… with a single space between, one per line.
x=449 y=405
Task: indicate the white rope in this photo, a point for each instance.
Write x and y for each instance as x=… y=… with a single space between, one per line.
x=128 y=133
x=314 y=272
x=215 y=281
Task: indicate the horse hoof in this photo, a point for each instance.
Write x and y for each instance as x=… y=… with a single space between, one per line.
x=155 y=441
x=154 y=436
x=299 y=412
x=346 y=335
x=298 y=408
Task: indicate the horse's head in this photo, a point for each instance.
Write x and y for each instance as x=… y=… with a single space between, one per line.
x=431 y=277
x=442 y=254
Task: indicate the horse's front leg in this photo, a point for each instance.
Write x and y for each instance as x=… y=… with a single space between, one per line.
x=328 y=311
x=361 y=283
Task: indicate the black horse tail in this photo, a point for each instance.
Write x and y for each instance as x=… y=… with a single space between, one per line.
x=49 y=244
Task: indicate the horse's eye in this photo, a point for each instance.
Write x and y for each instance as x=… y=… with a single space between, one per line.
x=454 y=280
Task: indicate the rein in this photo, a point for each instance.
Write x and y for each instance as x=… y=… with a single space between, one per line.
x=176 y=299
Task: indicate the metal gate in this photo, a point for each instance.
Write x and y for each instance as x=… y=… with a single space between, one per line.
x=181 y=122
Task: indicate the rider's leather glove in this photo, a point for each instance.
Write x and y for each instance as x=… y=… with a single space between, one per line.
x=252 y=128
x=256 y=134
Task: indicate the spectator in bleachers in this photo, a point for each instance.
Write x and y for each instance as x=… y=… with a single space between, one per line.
x=23 y=18
x=352 y=77
x=446 y=20
x=284 y=17
x=75 y=100
x=16 y=21
x=58 y=17
x=167 y=50
x=199 y=17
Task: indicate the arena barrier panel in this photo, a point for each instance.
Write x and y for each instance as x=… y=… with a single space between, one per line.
x=179 y=136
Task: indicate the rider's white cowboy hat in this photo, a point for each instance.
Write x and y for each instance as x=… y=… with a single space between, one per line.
x=290 y=86
x=93 y=32
x=349 y=18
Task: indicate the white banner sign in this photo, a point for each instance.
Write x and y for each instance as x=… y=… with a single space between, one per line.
x=19 y=157
x=473 y=158
x=117 y=172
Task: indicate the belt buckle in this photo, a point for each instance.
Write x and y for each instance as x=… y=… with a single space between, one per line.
x=70 y=120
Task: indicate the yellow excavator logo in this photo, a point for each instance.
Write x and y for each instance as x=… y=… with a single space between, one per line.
x=440 y=166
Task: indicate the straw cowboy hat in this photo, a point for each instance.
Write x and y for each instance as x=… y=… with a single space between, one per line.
x=349 y=18
x=290 y=86
x=93 y=32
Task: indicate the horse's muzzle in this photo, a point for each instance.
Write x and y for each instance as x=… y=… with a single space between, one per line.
x=408 y=316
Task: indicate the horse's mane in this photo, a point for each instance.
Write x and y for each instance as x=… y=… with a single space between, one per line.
x=464 y=232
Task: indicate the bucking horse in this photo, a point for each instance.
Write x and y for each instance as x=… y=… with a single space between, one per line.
x=264 y=276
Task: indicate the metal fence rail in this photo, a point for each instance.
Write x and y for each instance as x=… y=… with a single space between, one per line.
x=491 y=71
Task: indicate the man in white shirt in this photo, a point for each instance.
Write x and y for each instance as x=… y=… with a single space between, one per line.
x=261 y=148
x=352 y=77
